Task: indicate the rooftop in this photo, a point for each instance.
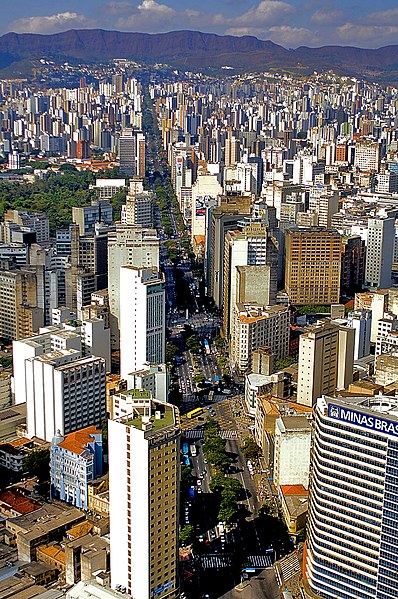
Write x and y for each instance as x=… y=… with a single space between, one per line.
x=166 y=419
x=77 y=441
x=18 y=502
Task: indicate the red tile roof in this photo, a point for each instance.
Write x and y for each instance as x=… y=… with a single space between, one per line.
x=76 y=442
x=293 y=490
x=18 y=502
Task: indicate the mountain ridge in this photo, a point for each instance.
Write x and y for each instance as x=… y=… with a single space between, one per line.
x=195 y=50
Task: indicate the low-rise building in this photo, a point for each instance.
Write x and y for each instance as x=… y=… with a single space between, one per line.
x=294 y=502
x=75 y=460
x=98 y=496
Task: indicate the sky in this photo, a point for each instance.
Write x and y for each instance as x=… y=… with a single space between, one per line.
x=291 y=23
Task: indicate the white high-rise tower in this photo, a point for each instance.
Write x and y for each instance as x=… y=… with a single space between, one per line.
x=142 y=318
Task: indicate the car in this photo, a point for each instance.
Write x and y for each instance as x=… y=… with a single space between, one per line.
x=199 y=482
x=199 y=490
x=212 y=534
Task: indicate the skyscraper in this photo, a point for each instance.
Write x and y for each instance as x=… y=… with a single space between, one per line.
x=379 y=252
x=142 y=318
x=352 y=547
x=312 y=265
x=131 y=246
x=144 y=489
x=128 y=153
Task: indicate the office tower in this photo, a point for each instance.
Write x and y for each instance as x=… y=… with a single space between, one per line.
x=75 y=460
x=222 y=219
x=379 y=252
x=142 y=318
x=128 y=153
x=86 y=217
x=128 y=246
x=292 y=451
x=326 y=358
x=138 y=209
x=253 y=246
x=352 y=545
x=367 y=155
x=20 y=315
x=312 y=266
x=352 y=264
x=256 y=326
x=63 y=392
x=144 y=458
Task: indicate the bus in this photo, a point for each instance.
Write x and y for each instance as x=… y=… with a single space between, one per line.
x=185 y=448
x=193 y=451
x=194 y=413
x=207 y=347
x=211 y=395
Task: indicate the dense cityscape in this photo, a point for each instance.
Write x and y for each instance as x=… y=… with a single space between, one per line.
x=198 y=334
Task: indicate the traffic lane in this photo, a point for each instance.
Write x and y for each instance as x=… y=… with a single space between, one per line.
x=262 y=586
x=245 y=478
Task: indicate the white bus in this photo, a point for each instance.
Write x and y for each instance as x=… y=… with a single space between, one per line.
x=193 y=451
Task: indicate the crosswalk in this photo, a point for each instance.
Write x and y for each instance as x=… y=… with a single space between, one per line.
x=194 y=434
x=199 y=434
x=290 y=566
x=228 y=435
x=215 y=562
x=259 y=561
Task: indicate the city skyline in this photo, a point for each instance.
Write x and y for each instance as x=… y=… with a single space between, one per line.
x=289 y=23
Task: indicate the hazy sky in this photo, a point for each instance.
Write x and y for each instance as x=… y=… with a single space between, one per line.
x=365 y=23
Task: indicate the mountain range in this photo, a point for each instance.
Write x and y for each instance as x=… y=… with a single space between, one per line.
x=192 y=50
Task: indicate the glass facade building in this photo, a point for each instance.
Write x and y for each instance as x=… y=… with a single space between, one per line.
x=352 y=547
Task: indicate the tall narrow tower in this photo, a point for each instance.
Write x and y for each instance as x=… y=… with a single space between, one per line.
x=144 y=479
x=142 y=318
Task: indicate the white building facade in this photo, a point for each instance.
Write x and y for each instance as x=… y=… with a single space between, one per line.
x=142 y=318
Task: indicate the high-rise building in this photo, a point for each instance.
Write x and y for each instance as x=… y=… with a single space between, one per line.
x=367 y=155
x=20 y=315
x=86 y=217
x=253 y=246
x=379 y=252
x=222 y=219
x=326 y=359
x=142 y=318
x=128 y=246
x=63 y=390
x=352 y=264
x=352 y=545
x=144 y=458
x=128 y=153
x=312 y=266
x=256 y=326
x=138 y=207
x=75 y=460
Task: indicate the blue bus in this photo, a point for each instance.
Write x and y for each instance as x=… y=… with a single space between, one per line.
x=186 y=460
x=185 y=448
x=216 y=379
